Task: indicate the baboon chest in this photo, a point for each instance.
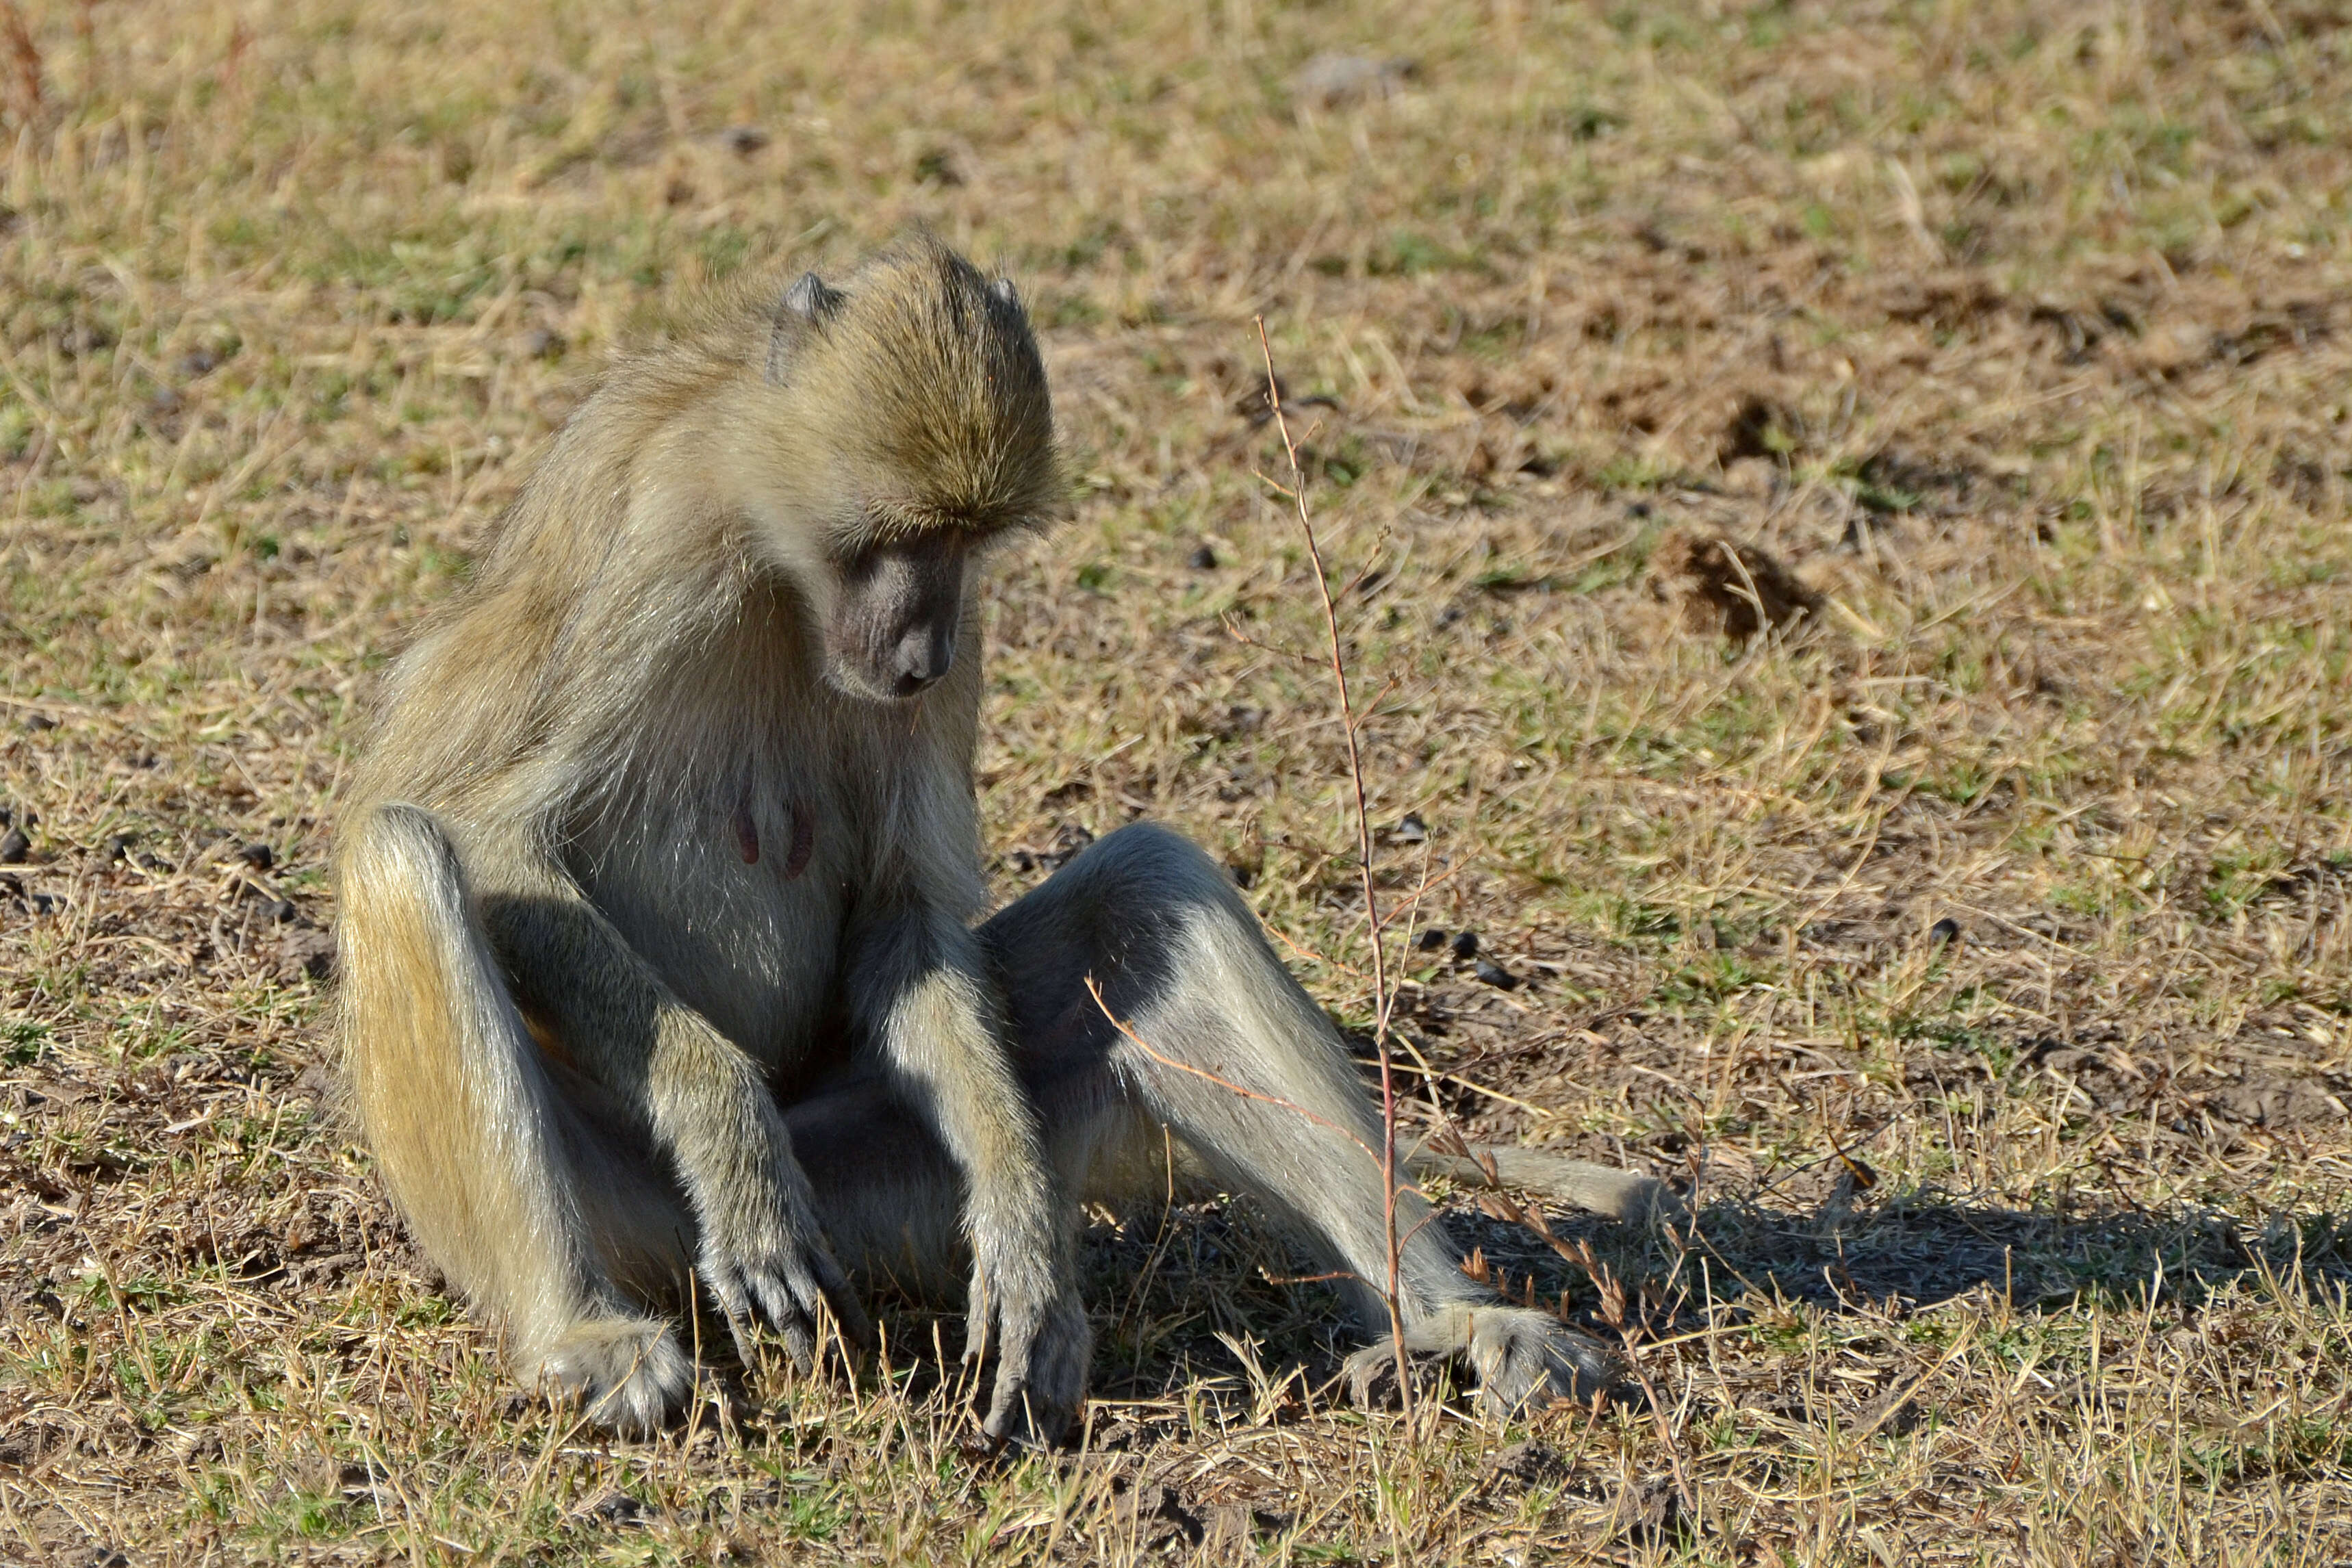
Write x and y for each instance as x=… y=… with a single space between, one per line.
x=738 y=897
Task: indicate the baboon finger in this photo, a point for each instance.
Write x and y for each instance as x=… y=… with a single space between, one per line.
x=780 y=1304
x=842 y=1302
x=734 y=1308
x=979 y=1318
x=1009 y=1396
x=738 y=1329
x=1367 y=1370
x=1021 y=1412
x=1040 y=1372
x=1008 y=1411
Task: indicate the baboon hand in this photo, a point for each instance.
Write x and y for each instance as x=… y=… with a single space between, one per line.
x=1044 y=1345
x=777 y=1269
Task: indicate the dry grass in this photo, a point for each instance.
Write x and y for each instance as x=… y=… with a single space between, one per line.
x=2018 y=332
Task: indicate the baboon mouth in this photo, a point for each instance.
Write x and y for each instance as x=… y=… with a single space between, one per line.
x=883 y=690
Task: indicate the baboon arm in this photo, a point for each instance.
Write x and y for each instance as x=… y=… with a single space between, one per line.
x=923 y=995
x=759 y=1249
x=928 y=1001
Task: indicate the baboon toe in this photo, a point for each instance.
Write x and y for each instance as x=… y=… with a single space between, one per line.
x=1372 y=1372
x=628 y=1374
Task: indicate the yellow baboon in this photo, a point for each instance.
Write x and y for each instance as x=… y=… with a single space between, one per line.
x=657 y=881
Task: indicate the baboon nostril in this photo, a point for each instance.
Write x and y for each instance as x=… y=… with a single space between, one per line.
x=922 y=657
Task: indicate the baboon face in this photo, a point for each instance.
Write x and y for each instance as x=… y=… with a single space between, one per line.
x=891 y=630
x=904 y=425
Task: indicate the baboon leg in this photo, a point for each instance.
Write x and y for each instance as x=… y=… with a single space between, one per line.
x=892 y=1199
x=508 y=1167
x=889 y=1196
x=1228 y=1052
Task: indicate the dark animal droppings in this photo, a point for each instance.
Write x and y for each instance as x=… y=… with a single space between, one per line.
x=1495 y=975
x=15 y=847
x=258 y=856
x=1465 y=946
x=617 y=1507
x=1431 y=940
x=1203 y=559
x=1944 y=930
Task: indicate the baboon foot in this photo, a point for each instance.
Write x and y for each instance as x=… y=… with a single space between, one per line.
x=1529 y=1358
x=1523 y=1358
x=628 y=1374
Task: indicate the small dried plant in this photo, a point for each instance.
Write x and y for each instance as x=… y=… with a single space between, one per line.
x=1383 y=993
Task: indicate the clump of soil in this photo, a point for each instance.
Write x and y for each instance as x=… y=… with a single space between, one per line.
x=1734 y=589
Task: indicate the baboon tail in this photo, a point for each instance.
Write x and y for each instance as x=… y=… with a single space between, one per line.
x=451 y=1090
x=1604 y=1190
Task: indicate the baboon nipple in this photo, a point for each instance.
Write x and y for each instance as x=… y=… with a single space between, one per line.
x=797 y=859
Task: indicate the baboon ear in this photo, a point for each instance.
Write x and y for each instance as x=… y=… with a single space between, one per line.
x=1004 y=293
x=806 y=305
x=812 y=299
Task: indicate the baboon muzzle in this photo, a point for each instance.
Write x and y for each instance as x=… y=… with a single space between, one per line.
x=894 y=629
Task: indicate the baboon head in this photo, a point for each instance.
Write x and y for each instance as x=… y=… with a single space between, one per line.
x=916 y=430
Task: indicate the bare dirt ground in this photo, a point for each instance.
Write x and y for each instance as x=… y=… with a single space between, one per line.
x=1969 y=941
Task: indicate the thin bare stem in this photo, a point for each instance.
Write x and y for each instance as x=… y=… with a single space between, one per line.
x=1313 y=957
x=1247 y=641
x=1383 y=998
x=1140 y=1044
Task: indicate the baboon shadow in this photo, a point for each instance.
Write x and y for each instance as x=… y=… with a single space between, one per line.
x=1206 y=1296
x=1917 y=1249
